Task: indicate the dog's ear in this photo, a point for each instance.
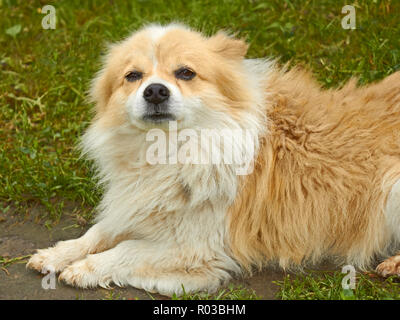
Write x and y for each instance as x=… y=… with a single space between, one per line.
x=102 y=85
x=227 y=46
x=101 y=90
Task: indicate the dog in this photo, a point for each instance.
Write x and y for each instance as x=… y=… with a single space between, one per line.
x=324 y=183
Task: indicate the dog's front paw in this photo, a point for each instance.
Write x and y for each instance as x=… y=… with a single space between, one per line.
x=389 y=267
x=82 y=274
x=47 y=260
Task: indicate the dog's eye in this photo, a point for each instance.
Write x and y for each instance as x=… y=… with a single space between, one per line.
x=133 y=76
x=185 y=74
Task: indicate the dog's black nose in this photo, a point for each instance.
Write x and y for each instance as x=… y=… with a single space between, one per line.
x=156 y=93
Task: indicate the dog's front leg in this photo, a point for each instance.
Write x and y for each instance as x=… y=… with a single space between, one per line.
x=155 y=267
x=56 y=258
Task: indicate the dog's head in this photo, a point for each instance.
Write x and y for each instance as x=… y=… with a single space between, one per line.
x=163 y=73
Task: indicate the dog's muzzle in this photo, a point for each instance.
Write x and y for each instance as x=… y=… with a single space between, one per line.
x=156 y=96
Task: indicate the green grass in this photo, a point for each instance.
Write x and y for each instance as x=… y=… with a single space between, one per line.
x=328 y=286
x=45 y=74
x=5 y=262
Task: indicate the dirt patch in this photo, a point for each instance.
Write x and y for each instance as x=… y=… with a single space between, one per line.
x=22 y=235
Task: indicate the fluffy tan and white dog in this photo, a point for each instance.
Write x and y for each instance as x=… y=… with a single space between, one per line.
x=326 y=178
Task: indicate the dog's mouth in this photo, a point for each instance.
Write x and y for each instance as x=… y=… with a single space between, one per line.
x=158 y=113
x=158 y=117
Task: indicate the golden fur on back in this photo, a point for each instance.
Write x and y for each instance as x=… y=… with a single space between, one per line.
x=322 y=175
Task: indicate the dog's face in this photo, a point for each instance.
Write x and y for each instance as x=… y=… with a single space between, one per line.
x=169 y=73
